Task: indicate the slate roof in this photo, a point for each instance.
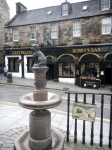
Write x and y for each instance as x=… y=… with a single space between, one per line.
x=38 y=16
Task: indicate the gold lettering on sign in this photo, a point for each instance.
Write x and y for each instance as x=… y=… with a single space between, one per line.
x=86 y=50
x=21 y=52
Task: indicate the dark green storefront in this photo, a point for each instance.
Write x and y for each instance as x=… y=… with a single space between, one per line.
x=69 y=63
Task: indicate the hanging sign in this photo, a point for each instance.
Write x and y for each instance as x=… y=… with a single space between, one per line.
x=86 y=50
x=21 y=52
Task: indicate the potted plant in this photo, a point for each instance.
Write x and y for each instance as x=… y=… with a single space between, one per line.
x=62 y=43
x=76 y=60
x=54 y=59
x=1 y=60
x=26 y=45
x=78 y=42
x=6 y=46
x=101 y=59
x=95 y=41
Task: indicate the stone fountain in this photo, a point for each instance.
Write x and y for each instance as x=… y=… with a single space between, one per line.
x=40 y=135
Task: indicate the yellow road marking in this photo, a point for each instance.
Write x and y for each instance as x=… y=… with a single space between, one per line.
x=52 y=110
x=9 y=103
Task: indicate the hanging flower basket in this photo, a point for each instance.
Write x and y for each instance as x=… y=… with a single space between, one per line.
x=1 y=60
x=20 y=61
x=77 y=60
x=62 y=43
x=54 y=59
x=101 y=59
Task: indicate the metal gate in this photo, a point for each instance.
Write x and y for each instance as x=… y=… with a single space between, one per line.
x=92 y=100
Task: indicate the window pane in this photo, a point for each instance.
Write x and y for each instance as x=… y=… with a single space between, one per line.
x=33 y=32
x=13 y=64
x=54 y=30
x=64 y=9
x=77 y=32
x=10 y=65
x=60 y=69
x=15 y=34
x=54 y=34
x=66 y=69
x=77 y=28
x=64 y=6
x=90 y=69
x=105 y=4
x=106 y=25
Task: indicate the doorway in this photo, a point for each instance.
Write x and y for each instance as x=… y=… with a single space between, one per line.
x=49 y=74
x=108 y=76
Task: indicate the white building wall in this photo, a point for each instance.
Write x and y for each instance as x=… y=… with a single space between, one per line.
x=26 y=74
x=67 y=80
x=15 y=74
x=19 y=74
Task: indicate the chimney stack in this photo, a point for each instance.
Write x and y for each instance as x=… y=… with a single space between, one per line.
x=20 y=8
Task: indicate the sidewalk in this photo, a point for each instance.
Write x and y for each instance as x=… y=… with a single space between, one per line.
x=15 y=119
x=52 y=85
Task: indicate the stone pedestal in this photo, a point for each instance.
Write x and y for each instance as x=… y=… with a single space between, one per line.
x=40 y=135
x=40 y=130
x=40 y=92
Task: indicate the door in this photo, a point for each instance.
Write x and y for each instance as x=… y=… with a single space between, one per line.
x=108 y=76
x=49 y=74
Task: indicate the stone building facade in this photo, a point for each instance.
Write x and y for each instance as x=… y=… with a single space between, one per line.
x=4 y=18
x=71 y=35
x=91 y=29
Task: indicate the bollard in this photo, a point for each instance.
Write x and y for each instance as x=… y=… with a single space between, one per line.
x=9 y=77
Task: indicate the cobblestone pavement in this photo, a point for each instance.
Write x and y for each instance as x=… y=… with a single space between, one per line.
x=7 y=141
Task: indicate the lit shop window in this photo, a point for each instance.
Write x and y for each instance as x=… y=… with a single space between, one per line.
x=90 y=69
x=67 y=69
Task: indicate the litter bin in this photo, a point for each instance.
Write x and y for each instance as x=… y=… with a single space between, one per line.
x=9 y=77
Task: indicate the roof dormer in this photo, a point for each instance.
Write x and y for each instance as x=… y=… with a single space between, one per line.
x=65 y=8
x=105 y=5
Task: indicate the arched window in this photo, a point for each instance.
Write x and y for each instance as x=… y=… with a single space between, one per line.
x=66 y=66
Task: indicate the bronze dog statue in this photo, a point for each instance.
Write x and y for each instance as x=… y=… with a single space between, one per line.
x=39 y=58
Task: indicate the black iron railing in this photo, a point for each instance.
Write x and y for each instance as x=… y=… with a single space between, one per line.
x=75 y=97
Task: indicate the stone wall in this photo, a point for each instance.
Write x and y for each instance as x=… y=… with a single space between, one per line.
x=4 y=17
x=91 y=28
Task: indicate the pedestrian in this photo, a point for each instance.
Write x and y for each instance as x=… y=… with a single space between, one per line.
x=5 y=72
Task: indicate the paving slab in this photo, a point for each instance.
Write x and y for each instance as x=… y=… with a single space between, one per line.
x=14 y=120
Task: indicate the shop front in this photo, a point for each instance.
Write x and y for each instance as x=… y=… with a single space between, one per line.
x=19 y=61
x=95 y=67
x=87 y=66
